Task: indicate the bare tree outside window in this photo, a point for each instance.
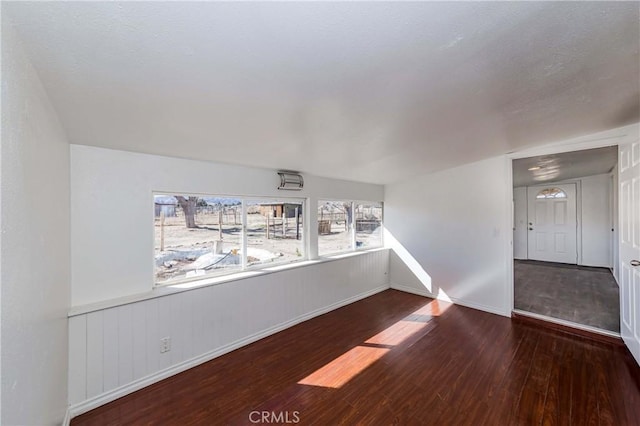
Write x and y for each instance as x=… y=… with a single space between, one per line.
x=335 y=226
x=197 y=236
x=188 y=205
x=368 y=220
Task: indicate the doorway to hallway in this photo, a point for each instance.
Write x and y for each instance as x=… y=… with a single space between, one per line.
x=564 y=227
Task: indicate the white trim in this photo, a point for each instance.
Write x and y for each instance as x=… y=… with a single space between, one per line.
x=595 y=140
x=567 y=323
x=166 y=290
x=413 y=290
x=352 y=236
x=578 y=201
x=67 y=417
x=454 y=300
x=352 y=225
x=99 y=400
x=579 y=222
x=508 y=223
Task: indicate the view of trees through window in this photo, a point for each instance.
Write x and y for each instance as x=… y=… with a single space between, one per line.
x=196 y=236
x=200 y=235
x=368 y=218
x=336 y=220
x=334 y=227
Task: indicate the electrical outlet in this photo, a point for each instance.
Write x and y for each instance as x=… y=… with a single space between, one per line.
x=165 y=344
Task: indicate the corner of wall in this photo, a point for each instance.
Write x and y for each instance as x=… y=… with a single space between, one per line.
x=35 y=248
x=449 y=232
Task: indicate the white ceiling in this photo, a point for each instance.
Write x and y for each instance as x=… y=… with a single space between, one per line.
x=567 y=165
x=366 y=91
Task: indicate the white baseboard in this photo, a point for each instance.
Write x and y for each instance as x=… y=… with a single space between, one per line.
x=67 y=417
x=413 y=290
x=454 y=300
x=99 y=400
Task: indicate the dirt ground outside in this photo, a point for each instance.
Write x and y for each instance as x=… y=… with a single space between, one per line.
x=182 y=246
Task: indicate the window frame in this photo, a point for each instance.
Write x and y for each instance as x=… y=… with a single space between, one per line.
x=355 y=202
x=244 y=267
x=352 y=236
x=303 y=240
x=558 y=193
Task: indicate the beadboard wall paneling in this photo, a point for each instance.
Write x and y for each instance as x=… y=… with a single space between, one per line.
x=116 y=351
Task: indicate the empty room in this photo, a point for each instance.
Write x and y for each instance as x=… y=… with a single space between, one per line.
x=319 y=213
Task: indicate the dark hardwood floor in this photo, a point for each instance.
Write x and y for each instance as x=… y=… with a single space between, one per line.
x=396 y=358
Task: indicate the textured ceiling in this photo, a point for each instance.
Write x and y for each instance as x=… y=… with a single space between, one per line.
x=567 y=165
x=373 y=92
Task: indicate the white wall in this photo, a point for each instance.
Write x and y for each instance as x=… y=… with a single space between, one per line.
x=115 y=350
x=34 y=244
x=520 y=231
x=596 y=221
x=112 y=211
x=450 y=232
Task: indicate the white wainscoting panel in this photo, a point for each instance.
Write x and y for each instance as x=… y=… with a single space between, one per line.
x=78 y=357
x=116 y=351
x=95 y=354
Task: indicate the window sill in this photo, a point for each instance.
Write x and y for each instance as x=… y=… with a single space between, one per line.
x=167 y=290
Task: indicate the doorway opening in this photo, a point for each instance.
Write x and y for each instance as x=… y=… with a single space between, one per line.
x=564 y=238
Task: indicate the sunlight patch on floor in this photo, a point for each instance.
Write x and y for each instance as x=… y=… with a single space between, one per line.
x=344 y=368
x=435 y=308
x=397 y=333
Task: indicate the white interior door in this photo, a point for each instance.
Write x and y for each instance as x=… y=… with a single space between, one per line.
x=552 y=223
x=629 y=194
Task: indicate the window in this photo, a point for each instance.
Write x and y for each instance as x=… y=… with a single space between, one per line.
x=334 y=227
x=197 y=236
x=551 y=193
x=368 y=217
x=336 y=230
x=274 y=231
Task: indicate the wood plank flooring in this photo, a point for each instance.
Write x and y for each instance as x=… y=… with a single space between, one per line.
x=396 y=358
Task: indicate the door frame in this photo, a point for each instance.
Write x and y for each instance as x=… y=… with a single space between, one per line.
x=577 y=189
x=578 y=183
x=611 y=137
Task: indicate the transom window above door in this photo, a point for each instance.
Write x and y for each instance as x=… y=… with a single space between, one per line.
x=551 y=193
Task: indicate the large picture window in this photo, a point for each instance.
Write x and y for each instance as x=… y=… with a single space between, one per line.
x=198 y=235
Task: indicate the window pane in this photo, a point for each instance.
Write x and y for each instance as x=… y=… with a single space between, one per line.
x=274 y=231
x=334 y=227
x=551 y=193
x=368 y=225
x=196 y=235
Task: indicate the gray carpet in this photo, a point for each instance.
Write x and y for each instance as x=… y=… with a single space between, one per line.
x=579 y=294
